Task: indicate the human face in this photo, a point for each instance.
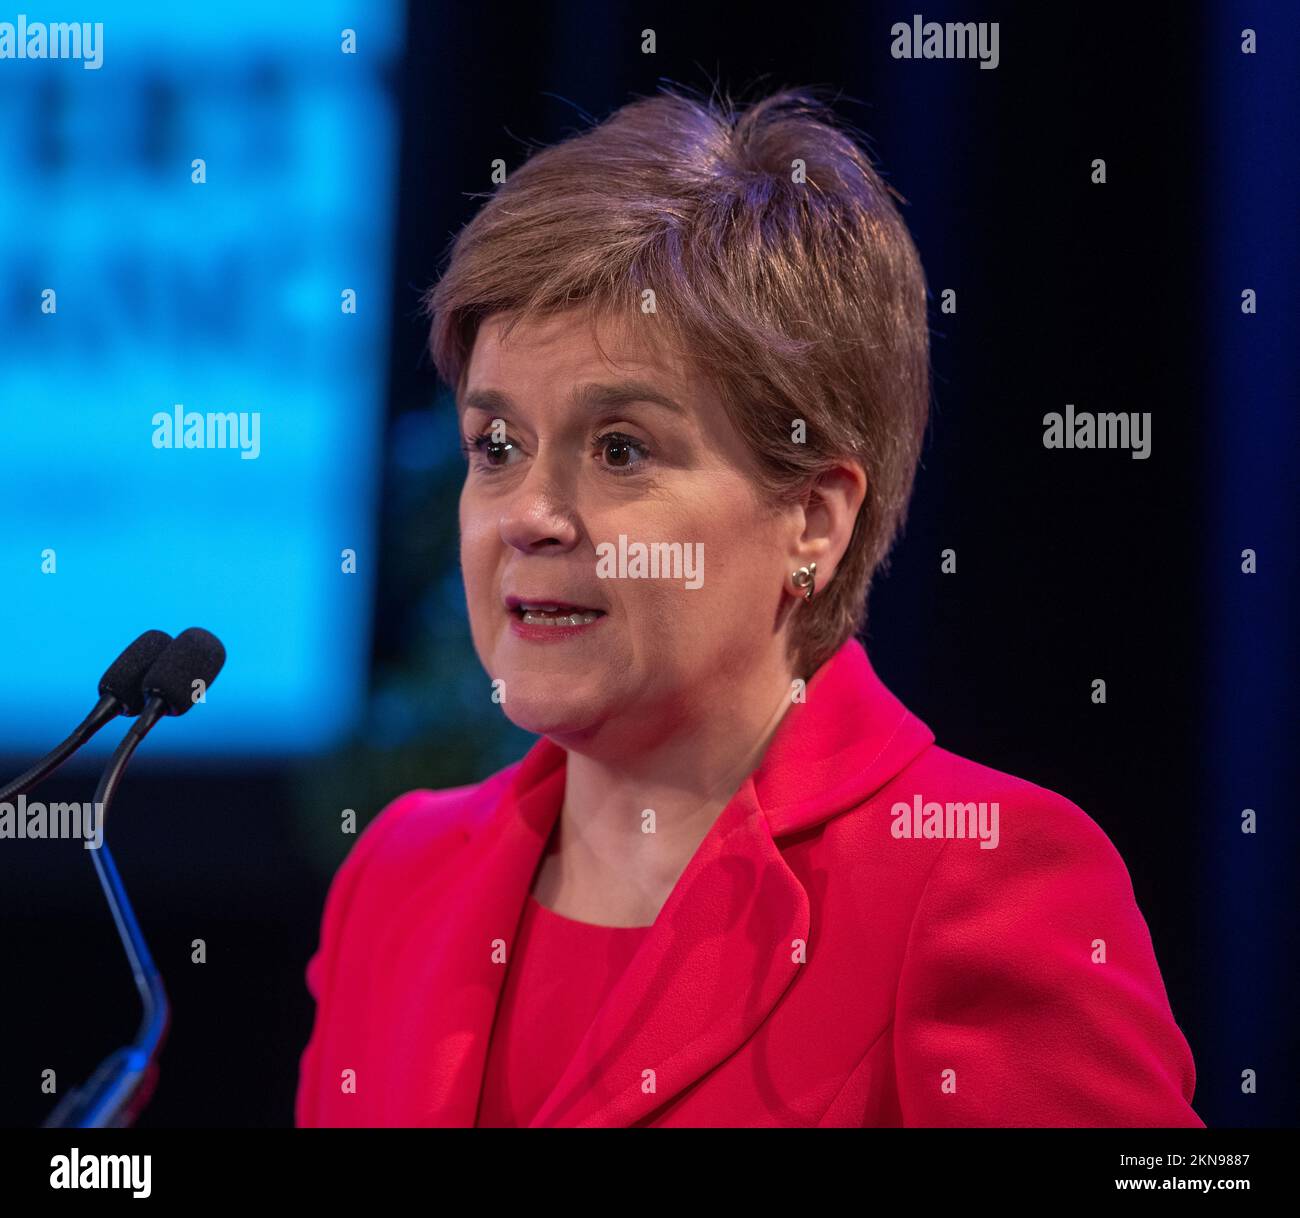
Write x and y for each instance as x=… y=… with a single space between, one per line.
x=573 y=442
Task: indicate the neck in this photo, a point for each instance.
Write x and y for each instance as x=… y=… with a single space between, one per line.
x=611 y=860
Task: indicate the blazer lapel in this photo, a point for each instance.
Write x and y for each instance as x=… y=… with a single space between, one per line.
x=710 y=969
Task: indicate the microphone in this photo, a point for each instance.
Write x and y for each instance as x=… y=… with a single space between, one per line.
x=120 y=693
x=194 y=655
x=121 y=1086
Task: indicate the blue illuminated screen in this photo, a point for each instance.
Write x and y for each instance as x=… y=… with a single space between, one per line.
x=201 y=222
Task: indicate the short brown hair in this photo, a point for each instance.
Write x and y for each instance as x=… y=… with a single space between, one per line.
x=779 y=266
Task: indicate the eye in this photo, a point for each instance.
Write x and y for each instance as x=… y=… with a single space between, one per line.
x=491 y=453
x=621 y=453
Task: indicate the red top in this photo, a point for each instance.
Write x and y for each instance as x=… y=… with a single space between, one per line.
x=560 y=972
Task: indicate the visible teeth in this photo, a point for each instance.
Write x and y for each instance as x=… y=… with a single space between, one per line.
x=555 y=618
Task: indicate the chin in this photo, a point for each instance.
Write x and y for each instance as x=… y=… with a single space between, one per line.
x=545 y=708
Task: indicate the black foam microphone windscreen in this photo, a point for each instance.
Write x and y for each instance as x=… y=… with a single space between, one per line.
x=194 y=655
x=125 y=676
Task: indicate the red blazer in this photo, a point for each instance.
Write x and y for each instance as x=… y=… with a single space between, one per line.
x=810 y=968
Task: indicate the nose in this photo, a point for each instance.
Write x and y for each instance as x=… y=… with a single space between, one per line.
x=539 y=514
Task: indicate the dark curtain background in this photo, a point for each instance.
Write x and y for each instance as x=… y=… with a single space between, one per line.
x=1072 y=566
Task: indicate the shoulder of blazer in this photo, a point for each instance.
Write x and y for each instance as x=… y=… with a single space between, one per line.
x=1030 y=817
x=423 y=827
x=403 y=846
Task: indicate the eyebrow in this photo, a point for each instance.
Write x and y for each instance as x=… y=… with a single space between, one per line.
x=624 y=393
x=589 y=396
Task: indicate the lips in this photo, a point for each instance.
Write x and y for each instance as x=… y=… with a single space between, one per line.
x=550 y=619
x=549 y=605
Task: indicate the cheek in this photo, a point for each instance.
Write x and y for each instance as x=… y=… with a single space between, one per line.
x=477 y=551
x=473 y=526
x=742 y=569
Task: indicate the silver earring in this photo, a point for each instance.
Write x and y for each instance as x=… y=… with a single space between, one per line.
x=806 y=578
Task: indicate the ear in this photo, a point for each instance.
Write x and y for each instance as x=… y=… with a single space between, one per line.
x=830 y=509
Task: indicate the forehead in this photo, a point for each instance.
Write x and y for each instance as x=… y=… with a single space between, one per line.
x=556 y=352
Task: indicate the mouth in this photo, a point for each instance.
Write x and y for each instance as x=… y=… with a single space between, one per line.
x=552 y=614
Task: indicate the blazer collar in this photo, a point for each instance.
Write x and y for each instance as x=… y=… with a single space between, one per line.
x=718 y=956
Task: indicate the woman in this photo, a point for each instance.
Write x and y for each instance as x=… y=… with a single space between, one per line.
x=735 y=882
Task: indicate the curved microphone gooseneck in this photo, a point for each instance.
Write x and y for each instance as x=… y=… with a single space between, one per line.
x=124 y=1081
